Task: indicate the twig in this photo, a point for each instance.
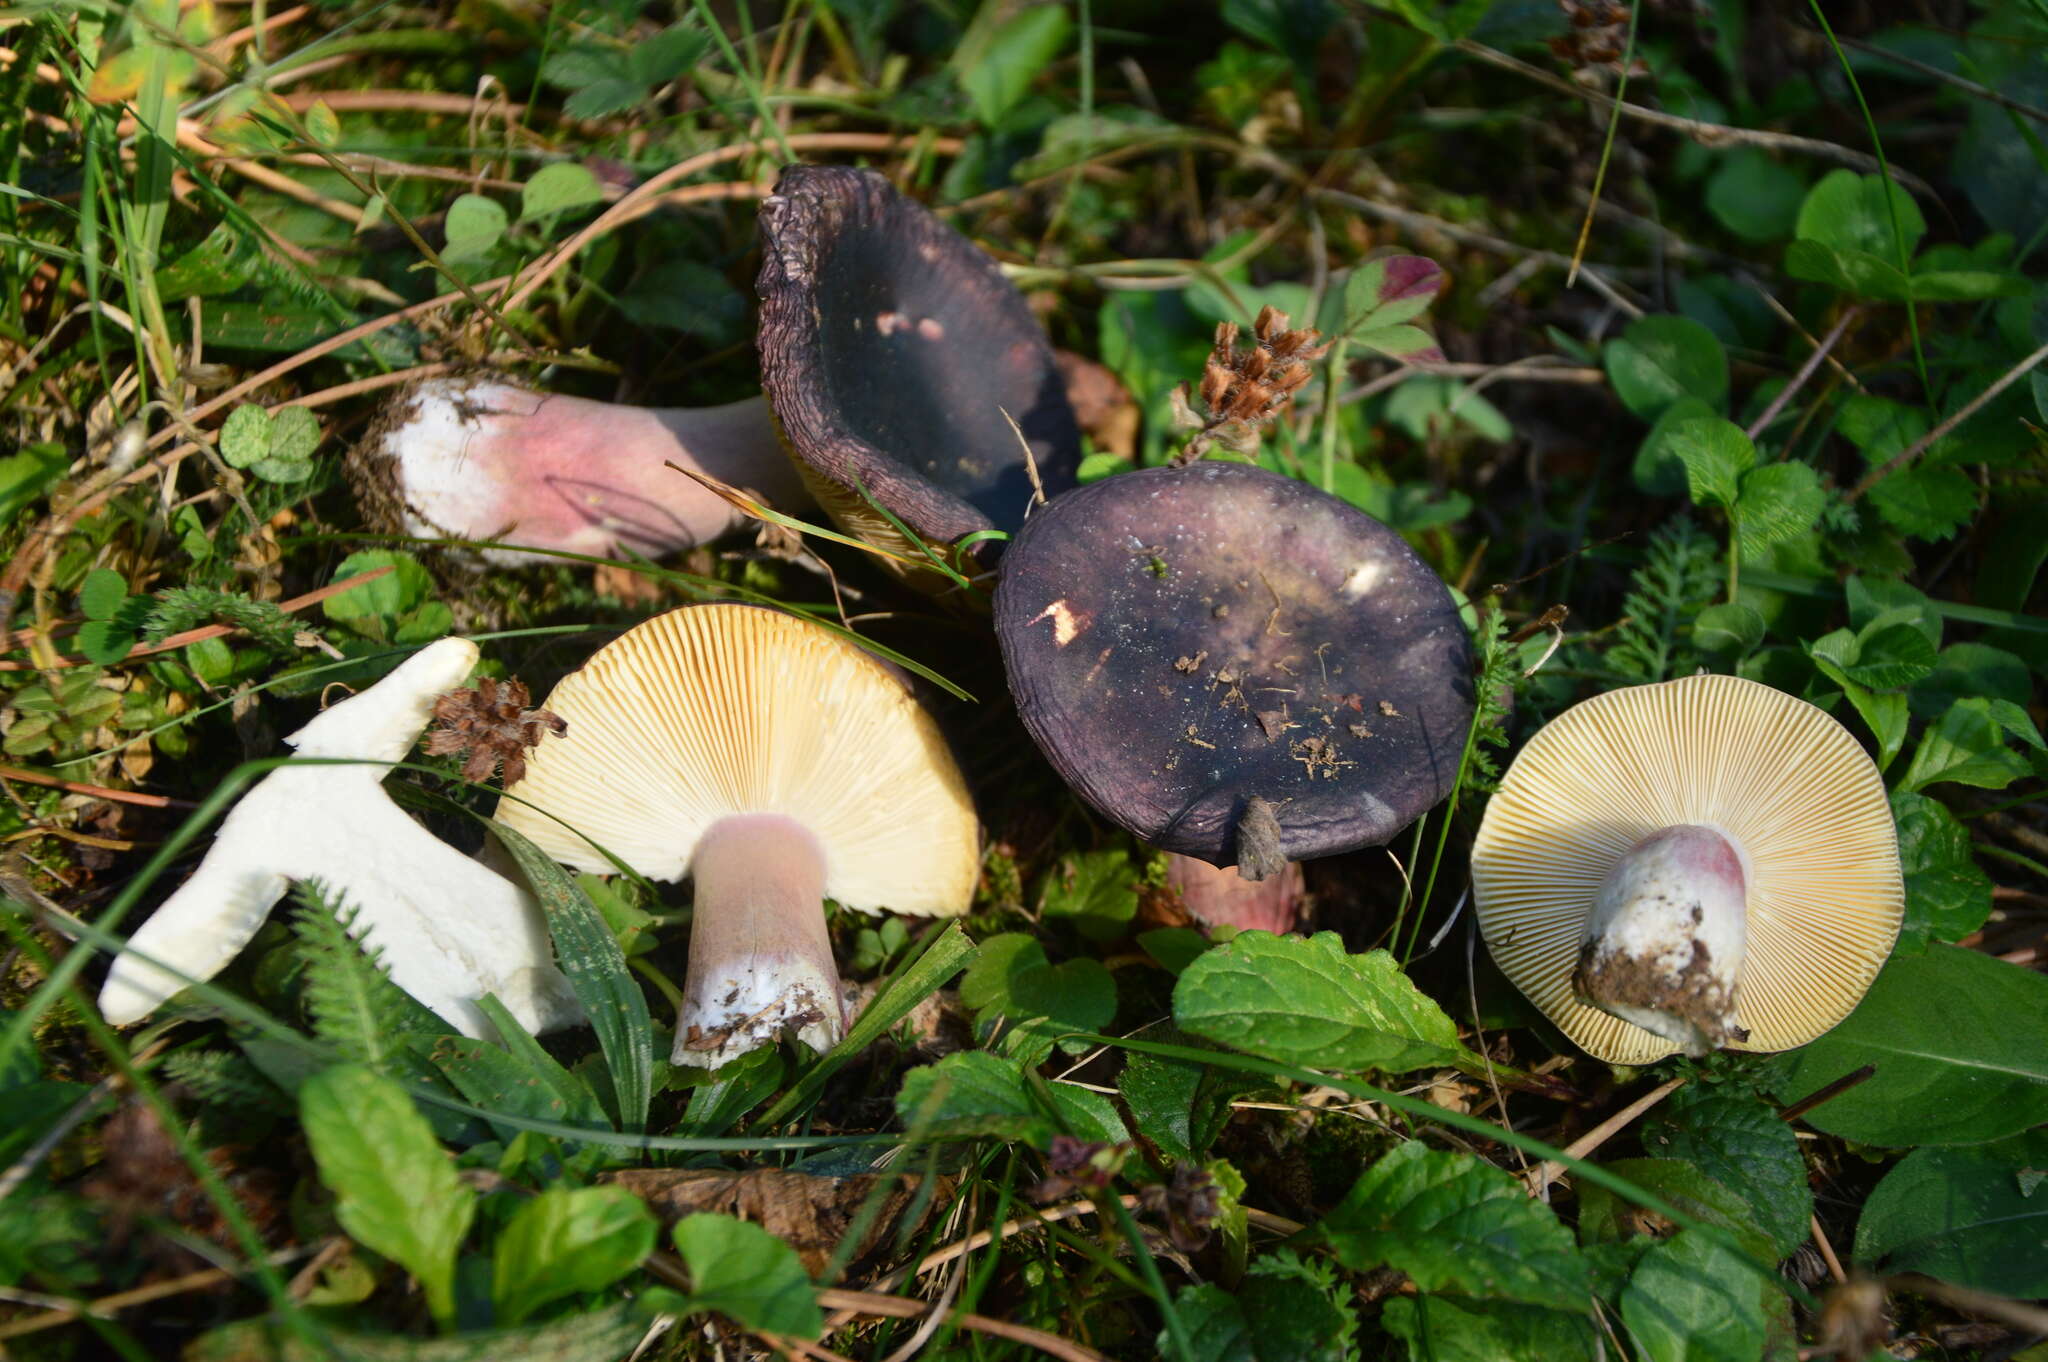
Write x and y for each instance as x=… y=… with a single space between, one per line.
x=1828 y=1093
x=1706 y=134
x=207 y=631
x=142 y=1295
x=1953 y=81
x=1964 y=413
x=2016 y=1313
x=1827 y=1252
x=1550 y=1170
x=1820 y=352
x=148 y=801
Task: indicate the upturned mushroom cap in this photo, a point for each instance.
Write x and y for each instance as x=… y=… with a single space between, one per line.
x=1191 y=645
x=1789 y=788
x=891 y=349
x=712 y=711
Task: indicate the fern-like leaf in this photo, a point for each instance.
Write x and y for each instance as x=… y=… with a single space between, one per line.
x=1500 y=674
x=1680 y=577
x=224 y=1080
x=186 y=607
x=352 y=1002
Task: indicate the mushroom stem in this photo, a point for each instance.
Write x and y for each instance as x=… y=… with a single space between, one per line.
x=1666 y=937
x=1222 y=897
x=478 y=459
x=760 y=960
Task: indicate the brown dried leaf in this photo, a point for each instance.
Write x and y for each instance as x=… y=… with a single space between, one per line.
x=810 y=1214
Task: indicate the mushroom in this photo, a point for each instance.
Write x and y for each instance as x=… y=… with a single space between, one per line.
x=474 y=458
x=1217 y=896
x=897 y=357
x=1233 y=665
x=1696 y=863
x=450 y=930
x=773 y=762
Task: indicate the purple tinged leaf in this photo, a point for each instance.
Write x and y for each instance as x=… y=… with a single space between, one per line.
x=1383 y=293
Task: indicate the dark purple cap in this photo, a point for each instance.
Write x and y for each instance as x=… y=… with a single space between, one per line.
x=891 y=347
x=1184 y=641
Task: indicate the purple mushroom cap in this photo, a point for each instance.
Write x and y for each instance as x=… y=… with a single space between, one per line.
x=891 y=349
x=1183 y=642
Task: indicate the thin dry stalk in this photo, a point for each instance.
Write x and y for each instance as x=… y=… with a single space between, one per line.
x=1550 y=1170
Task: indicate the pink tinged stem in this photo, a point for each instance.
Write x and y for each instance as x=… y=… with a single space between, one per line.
x=1220 y=897
x=1666 y=937
x=760 y=960
x=491 y=461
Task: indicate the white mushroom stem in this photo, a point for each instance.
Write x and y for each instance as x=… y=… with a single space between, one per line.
x=760 y=960
x=450 y=929
x=1666 y=937
x=479 y=459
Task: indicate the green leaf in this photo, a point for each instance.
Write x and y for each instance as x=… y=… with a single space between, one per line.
x=1658 y=470
x=1307 y=1002
x=978 y=1093
x=473 y=226
x=1284 y=1309
x=1011 y=977
x=579 y=1104
x=1389 y=291
x=558 y=188
x=1000 y=73
x=1847 y=211
x=1947 y=895
x=1660 y=359
x=1971 y=1216
x=575 y=67
x=747 y=1274
x=1417 y=346
x=1731 y=628
x=1925 y=501
x=376 y=610
x=245 y=436
x=1779 y=502
x=603 y=98
x=27 y=474
x=565 y=1242
x=1740 y=1142
x=1180 y=1106
x=1693 y=1299
x=1956 y=1040
x=1857 y=273
x=396 y=1192
x=669 y=54
x=1716 y=454
x=591 y=960
x=1967 y=669
x=1605 y=1217
x=1098 y=890
x=1458 y=1329
x=1967 y=746
x=1754 y=196
x=1455 y=1223
x=101 y=593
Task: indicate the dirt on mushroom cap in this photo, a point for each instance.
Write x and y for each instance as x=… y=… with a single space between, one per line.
x=1180 y=640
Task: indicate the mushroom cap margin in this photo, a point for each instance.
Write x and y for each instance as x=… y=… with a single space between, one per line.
x=1791 y=787
x=719 y=709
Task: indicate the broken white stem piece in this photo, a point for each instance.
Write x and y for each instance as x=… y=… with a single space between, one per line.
x=450 y=929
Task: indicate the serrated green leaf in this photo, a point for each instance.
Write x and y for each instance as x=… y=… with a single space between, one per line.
x=1662 y=358
x=583 y=65
x=978 y=1093
x=1693 y=1299
x=1280 y=1311
x=1955 y=1040
x=1778 y=502
x=1925 y=501
x=1657 y=469
x=603 y=98
x=1308 y=1002
x=1011 y=977
x=1716 y=455
x=396 y=1192
x=1965 y=1215
x=669 y=54
x=565 y=1242
x=1455 y=1223
x=1947 y=895
x=1098 y=890
x=1966 y=746
x=1180 y=1106
x=1605 y=1217
x=746 y=1273
x=1460 y=1329
x=1739 y=1141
